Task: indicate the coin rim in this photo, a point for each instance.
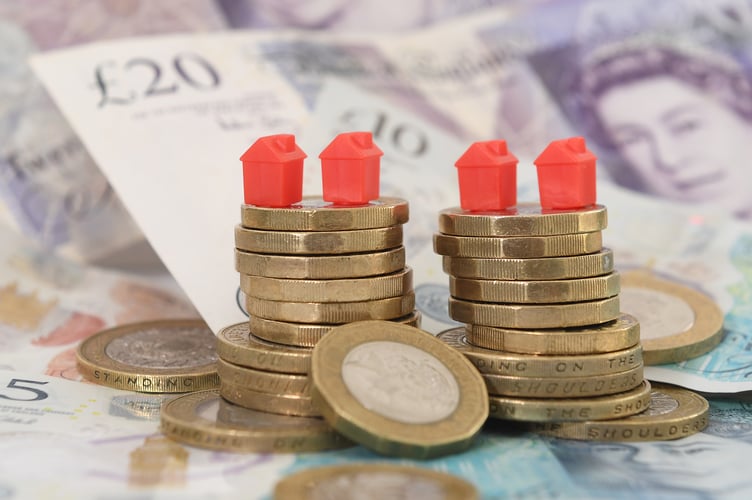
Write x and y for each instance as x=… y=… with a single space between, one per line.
x=297 y=486
x=518 y=247
x=318 y=242
x=382 y=212
x=179 y=421
x=92 y=358
x=536 y=365
x=705 y=333
x=386 y=436
x=531 y=409
x=693 y=409
x=459 y=222
x=261 y=354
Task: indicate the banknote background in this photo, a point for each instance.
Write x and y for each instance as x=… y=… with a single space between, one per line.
x=529 y=72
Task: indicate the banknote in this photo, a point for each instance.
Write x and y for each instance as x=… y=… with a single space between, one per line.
x=49 y=304
x=51 y=187
x=92 y=440
x=339 y=15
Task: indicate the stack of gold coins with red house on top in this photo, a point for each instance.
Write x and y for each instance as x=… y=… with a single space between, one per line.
x=308 y=264
x=537 y=290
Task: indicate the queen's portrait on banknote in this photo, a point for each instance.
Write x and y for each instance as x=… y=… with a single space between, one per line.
x=678 y=117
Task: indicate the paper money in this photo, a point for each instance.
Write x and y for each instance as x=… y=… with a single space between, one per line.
x=50 y=186
x=48 y=305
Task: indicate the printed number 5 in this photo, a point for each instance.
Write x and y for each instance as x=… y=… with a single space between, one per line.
x=16 y=384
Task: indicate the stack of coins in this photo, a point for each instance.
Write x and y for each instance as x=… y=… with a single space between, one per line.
x=539 y=295
x=305 y=269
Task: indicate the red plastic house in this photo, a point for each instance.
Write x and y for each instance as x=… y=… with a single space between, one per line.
x=350 y=167
x=273 y=171
x=566 y=175
x=487 y=177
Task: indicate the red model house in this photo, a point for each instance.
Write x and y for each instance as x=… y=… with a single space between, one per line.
x=350 y=167
x=487 y=177
x=566 y=175
x=273 y=171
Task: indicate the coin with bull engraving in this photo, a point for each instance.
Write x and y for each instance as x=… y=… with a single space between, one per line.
x=167 y=356
x=397 y=390
x=373 y=481
x=315 y=214
x=673 y=413
x=206 y=420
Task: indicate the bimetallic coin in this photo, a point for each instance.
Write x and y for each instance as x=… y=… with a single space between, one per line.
x=317 y=242
x=616 y=335
x=673 y=413
x=264 y=381
x=331 y=312
x=608 y=407
x=206 y=420
x=560 y=387
x=315 y=214
x=282 y=404
x=306 y=334
x=525 y=219
x=534 y=315
x=397 y=391
x=676 y=322
x=328 y=290
x=320 y=266
x=548 y=268
x=531 y=365
x=535 y=292
x=236 y=345
x=167 y=356
x=373 y=481
x=517 y=247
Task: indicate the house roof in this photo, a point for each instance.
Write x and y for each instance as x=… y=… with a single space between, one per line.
x=280 y=148
x=486 y=154
x=351 y=146
x=565 y=151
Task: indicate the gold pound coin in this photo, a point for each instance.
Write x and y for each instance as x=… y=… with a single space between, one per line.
x=206 y=420
x=397 y=391
x=236 y=345
x=676 y=322
x=315 y=214
x=673 y=413
x=331 y=312
x=165 y=356
x=560 y=387
x=264 y=381
x=534 y=315
x=282 y=404
x=535 y=292
x=548 y=268
x=373 y=481
x=328 y=290
x=317 y=242
x=320 y=266
x=608 y=407
x=517 y=247
x=525 y=219
x=532 y=365
x=306 y=334
x=616 y=335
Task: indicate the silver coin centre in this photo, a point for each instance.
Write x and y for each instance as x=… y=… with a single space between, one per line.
x=660 y=314
x=376 y=486
x=400 y=382
x=166 y=348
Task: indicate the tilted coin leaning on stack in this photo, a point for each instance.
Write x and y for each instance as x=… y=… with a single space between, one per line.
x=540 y=296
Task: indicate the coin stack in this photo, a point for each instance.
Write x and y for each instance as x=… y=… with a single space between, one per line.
x=539 y=295
x=312 y=264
